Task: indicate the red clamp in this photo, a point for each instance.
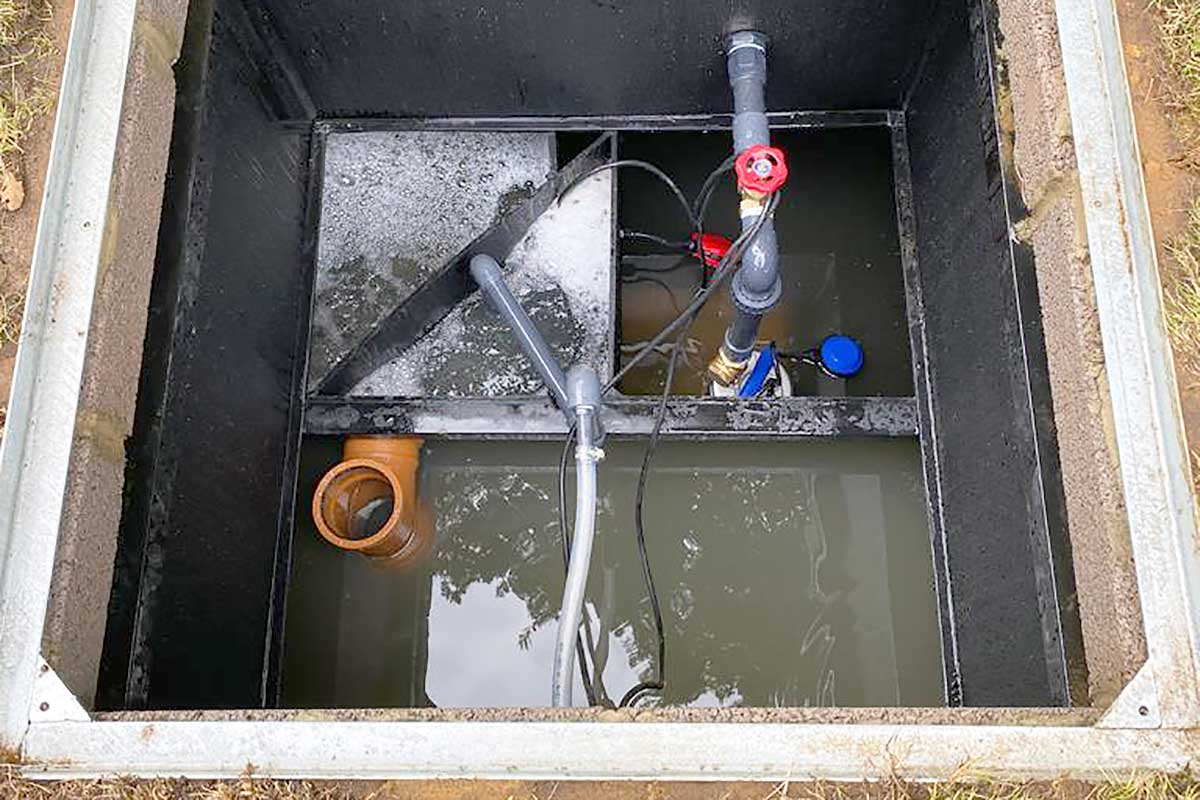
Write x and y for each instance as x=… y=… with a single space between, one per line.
x=761 y=170
x=713 y=248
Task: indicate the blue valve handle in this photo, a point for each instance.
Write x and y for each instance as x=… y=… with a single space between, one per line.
x=763 y=368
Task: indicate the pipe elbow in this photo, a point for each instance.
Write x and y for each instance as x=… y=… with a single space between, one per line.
x=485 y=270
x=367 y=503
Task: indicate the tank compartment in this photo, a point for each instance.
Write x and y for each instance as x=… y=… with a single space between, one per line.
x=894 y=538
x=840 y=257
x=378 y=244
x=833 y=537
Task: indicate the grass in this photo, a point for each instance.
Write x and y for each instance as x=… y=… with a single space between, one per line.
x=1179 y=22
x=1180 y=29
x=1182 y=293
x=1151 y=786
x=25 y=94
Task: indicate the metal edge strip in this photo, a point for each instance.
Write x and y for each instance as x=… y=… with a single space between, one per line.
x=36 y=449
x=1145 y=402
x=596 y=750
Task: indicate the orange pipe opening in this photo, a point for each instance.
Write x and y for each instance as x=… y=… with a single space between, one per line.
x=368 y=503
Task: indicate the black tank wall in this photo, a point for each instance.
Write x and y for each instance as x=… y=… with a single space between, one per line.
x=996 y=467
x=434 y=58
x=191 y=600
x=191 y=613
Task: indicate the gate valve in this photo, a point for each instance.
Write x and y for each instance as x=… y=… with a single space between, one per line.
x=761 y=170
x=713 y=248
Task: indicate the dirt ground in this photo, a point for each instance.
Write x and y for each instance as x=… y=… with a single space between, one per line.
x=1171 y=163
x=18 y=228
x=1149 y=788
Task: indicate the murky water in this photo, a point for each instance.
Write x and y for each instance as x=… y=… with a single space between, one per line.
x=789 y=574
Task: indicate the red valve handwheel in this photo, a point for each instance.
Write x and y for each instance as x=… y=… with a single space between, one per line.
x=761 y=169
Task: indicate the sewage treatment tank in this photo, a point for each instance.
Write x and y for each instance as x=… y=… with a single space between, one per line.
x=778 y=318
x=906 y=501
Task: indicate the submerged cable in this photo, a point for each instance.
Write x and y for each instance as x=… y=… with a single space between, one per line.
x=725 y=267
x=685 y=319
x=660 y=414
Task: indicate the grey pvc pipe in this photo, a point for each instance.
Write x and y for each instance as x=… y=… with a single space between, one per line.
x=487 y=273
x=746 y=64
x=756 y=287
x=571 y=613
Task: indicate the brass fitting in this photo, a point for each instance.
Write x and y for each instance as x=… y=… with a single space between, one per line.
x=725 y=370
x=751 y=203
x=368 y=503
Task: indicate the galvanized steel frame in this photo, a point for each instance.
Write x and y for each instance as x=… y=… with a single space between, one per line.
x=1148 y=431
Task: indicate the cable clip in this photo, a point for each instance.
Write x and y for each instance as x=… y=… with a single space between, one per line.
x=589 y=454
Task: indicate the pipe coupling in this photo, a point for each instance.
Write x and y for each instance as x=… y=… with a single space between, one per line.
x=724 y=370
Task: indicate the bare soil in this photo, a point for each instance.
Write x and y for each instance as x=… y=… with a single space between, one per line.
x=18 y=228
x=1169 y=162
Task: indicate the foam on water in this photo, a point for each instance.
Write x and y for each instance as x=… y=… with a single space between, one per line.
x=396 y=206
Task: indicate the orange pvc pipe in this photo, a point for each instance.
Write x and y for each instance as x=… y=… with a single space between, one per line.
x=351 y=503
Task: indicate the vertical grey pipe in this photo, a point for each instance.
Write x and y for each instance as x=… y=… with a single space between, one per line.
x=583 y=390
x=746 y=63
x=756 y=286
x=488 y=275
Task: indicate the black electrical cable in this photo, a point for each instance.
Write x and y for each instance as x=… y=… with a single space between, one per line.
x=723 y=271
x=638 y=236
x=688 y=317
x=685 y=318
x=700 y=206
x=688 y=208
x=562 y=467
x=700 y=210
x=660 y=414
x=645 y=166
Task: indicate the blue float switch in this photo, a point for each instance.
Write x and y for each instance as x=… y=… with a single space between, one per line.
x=841 y=356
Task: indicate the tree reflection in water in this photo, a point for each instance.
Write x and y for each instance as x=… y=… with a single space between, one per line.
x=790 y=574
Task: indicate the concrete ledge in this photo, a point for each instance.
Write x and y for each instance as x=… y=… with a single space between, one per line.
x=1036 y=129
x=75 y=619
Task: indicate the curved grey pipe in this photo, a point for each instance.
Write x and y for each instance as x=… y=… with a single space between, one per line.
x=578 y=395
x=756 y=286
x=487 y=273
x=583 y=389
